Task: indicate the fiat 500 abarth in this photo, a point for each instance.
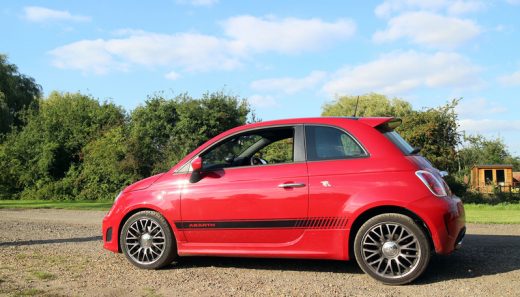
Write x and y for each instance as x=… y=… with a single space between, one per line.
x=321 y=188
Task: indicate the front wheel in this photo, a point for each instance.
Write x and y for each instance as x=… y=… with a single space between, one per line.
x=147 y=240
x=392 y=248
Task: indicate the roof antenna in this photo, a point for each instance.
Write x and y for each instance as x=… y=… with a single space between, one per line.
x=355 y=110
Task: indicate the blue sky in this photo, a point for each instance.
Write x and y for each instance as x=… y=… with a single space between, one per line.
x=287 y=57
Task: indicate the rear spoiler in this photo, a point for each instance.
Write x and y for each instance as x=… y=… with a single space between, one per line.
x=383 y=124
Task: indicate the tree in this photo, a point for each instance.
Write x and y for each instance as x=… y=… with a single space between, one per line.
x=18 y=93
x=164 y=131
x=106 y=168
x=371 y=104
x=435 y=131
x=43 y=159
x=150 y=128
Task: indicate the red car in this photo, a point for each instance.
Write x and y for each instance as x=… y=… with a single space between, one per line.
x=321 y=188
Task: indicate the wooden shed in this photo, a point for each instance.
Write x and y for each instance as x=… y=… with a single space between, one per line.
x=486 y=178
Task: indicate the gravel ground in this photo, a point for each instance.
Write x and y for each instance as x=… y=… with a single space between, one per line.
x=59 y=253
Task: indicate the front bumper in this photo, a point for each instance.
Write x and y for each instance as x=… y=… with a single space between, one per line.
x=110 y=229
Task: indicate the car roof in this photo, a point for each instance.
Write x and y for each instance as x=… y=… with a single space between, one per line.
x=370 y=121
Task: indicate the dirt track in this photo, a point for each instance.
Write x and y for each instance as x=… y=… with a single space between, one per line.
x=59 y=253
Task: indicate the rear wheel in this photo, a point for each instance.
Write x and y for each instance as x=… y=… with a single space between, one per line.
x=147 y=240
x=392 y=248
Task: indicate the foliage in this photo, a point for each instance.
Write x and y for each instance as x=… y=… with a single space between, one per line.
x=477 y=149
x=434 y=130
x=372 y=104
x=42 y=159
x=150 y=128
x=106 y=167
x=75 y=147
x=163 y=131
x=18 y=93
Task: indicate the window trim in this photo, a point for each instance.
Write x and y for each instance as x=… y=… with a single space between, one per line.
x=365 y=151
x=299 y=153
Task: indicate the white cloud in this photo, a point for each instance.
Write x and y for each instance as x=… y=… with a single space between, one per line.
x=430 y=29
x=510 y=79
x=198 y=2
x=190 y=51
x=172 y=75
x=246 y=35
x=478 y=107
x=262 y=101
x=461 y=7
x=289 y=35
x=42 y=14
x=389 y=7
x=513 y=2
x=399 y=72
x=289 y=85
x=489 y=125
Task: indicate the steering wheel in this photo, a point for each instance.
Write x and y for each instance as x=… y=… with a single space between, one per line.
x=257 y=161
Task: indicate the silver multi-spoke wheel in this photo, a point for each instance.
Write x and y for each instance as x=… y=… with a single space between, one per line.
x=390 y=250
x=145 y=241
x=148 y=241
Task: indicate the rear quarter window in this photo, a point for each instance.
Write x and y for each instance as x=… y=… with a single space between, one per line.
x=329 y=143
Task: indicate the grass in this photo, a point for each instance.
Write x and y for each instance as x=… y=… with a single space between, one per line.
x=150 y=292
x=31 y=204
x=42 y=275
x=493 y=214
x=475 y=213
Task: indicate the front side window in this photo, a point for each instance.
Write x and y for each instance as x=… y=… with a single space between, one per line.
x=328 y=143
x=262 y=147
x=280 y=151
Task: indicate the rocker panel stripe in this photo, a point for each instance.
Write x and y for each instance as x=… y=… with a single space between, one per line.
x=309 y=223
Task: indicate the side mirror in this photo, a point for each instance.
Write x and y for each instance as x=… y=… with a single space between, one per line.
x=196 y=164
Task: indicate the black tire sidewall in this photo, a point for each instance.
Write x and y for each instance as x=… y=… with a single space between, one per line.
x=413 y=227
x=170 y=251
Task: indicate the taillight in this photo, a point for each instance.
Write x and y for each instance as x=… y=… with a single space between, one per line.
x=432 y=182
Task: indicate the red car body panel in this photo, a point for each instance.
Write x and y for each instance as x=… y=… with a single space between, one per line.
x=241 y=211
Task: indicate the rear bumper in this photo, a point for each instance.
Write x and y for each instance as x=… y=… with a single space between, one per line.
x=460 y=238
x=445 y=219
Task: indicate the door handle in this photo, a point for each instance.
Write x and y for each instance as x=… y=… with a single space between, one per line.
x=291 y=185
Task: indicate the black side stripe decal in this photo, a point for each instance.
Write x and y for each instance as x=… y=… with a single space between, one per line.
x=310 y=223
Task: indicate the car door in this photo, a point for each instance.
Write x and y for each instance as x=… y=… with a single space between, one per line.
x=252 y=189
x=337 y=163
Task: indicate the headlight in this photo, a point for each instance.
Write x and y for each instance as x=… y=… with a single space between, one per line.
x=113 y=204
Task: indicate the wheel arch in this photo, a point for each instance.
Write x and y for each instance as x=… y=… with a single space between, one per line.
x=131 y=213
x=382 y=209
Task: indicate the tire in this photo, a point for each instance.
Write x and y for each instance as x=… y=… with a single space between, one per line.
x=392 y=248
x=147 y=240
